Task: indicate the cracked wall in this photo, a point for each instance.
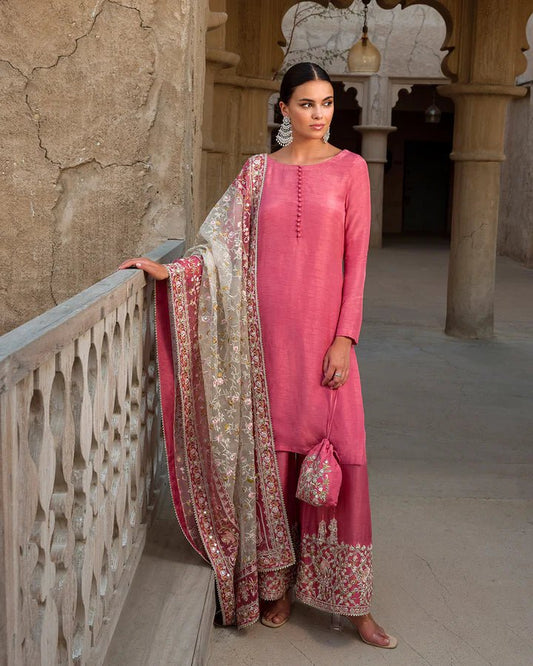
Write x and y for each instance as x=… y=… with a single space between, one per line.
x=101 y=118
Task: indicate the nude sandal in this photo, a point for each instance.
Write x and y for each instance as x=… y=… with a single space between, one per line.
x=393 y=641
x=275 y=625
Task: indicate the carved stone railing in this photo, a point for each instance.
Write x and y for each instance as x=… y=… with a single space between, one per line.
x=81 y=460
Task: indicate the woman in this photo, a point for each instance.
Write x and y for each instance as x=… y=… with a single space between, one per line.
x=256 y=330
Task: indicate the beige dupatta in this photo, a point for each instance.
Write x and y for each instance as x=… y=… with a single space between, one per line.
x=216 y=418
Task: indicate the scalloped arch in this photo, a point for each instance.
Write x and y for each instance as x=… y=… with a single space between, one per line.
x=456 y=15
x=287 y=4
x=444 y=8
x=340 y=4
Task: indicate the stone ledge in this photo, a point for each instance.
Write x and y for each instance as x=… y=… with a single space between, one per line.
x=23 y=349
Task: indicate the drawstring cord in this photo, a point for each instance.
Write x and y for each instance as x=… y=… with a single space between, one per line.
x=331 y=411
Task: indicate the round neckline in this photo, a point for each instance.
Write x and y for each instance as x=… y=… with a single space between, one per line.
x=271 y=159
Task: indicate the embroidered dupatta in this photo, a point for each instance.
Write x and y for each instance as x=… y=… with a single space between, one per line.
x=216 y=419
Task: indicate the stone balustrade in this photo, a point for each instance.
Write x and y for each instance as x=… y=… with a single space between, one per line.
x=81 y=464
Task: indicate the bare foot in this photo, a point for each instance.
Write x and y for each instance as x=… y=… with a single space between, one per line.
x=371 y=632
x=277 y=612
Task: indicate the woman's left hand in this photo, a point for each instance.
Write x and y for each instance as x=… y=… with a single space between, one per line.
x=157 y=271
x=336 y=365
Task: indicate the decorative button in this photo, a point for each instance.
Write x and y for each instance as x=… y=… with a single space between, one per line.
x=299 y=203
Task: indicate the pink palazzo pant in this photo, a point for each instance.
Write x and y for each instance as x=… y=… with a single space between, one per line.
x=333 y=570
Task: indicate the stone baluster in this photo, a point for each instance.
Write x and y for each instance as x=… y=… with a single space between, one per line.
x=81 y=463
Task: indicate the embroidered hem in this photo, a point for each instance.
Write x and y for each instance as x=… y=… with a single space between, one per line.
x=331 y=576
x=332 y=608
x=334 y=576
x=274 y=584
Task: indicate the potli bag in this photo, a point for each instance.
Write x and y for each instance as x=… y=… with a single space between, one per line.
x=320 y=477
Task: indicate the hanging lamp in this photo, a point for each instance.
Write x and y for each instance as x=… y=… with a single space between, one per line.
x=433 y=114
x=363 y=57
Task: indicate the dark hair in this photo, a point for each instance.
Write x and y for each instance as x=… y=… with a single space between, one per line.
x=300 y=73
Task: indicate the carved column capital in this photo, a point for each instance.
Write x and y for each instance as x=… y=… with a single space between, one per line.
x=480 y=120
x=221 y=59
x=374 y=138
x=215 y=19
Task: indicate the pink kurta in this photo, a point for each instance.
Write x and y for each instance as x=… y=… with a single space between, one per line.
x=310 y=219
x=245 y=319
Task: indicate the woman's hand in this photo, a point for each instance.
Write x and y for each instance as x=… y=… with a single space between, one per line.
x=157 y=271
x=336 y=365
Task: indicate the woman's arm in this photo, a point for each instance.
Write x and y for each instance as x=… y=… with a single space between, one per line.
x=356 y=238
x=336 y=365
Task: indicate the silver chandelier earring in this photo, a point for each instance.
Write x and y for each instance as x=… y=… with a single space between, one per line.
x=325 y=138
x=284 y=135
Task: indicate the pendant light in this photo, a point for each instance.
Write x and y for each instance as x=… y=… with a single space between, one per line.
x=363 y=57
x=433 y=113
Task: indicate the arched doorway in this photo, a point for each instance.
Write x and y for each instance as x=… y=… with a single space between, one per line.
x=419 y=173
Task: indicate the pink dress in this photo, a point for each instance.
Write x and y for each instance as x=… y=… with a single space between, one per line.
x=311 y=218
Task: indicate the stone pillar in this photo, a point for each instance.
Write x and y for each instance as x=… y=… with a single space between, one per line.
x=216 y=60
x=253 y=132
x=478 y=151
x=484 y=41
x=238 y=85
x=374 y=150
x=240 y=128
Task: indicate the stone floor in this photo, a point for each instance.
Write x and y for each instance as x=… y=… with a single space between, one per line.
x=450 y=449
x=167 y=617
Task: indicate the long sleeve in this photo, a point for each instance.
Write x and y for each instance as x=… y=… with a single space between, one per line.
x=356 y=239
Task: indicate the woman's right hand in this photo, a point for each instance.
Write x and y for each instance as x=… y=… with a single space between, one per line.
x=157 y=271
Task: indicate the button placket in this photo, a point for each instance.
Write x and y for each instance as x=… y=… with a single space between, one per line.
x=299 y=205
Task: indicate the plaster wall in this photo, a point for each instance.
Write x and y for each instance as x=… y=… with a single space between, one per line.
x=100 y=141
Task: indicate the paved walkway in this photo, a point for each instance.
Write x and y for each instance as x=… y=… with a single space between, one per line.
x=450 y=449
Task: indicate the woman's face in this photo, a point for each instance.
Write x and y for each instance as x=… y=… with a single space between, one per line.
x=310 y=109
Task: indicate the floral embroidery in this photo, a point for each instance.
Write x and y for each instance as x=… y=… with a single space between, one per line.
x=335 y=577
x=332 y=576
x=274 y=584
x=313 y=483
x=320 y=476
